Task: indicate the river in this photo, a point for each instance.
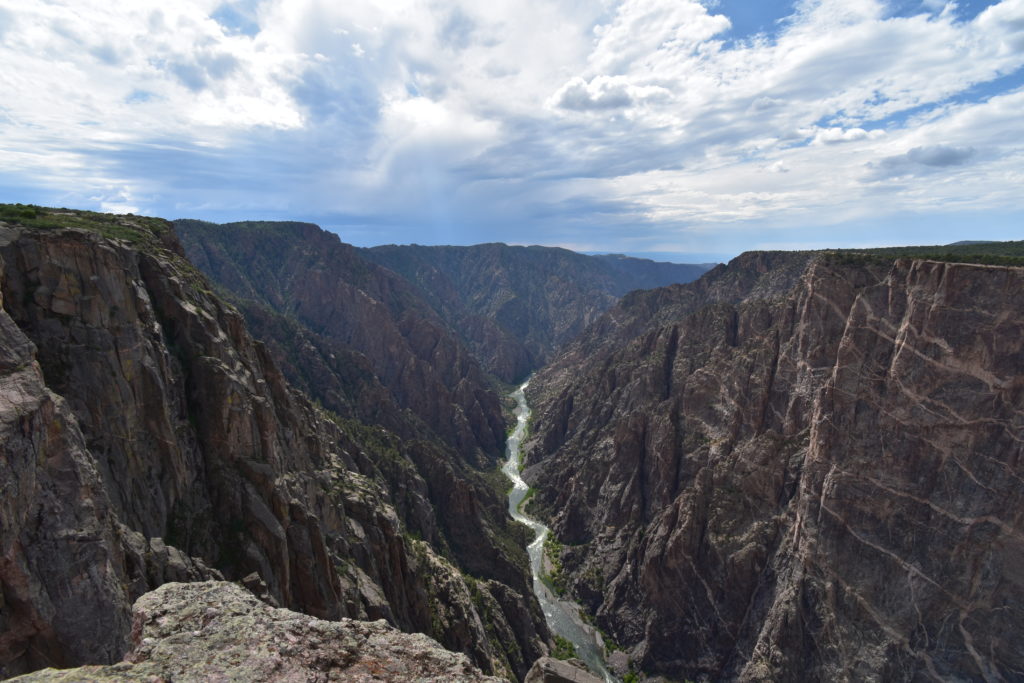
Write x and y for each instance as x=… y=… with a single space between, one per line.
x=562 y=615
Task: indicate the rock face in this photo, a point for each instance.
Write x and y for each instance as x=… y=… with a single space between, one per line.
x=219 y=631
x=797 y=468
x=360 y=340
x=514 y=306
x=68 y=566
x=346 y=303
x=148 y=438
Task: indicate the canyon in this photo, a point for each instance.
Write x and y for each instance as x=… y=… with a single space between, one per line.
x=800 y=466
x=147 y=438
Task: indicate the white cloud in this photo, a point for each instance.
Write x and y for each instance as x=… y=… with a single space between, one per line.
x=645 y=32
x=601 y=93
x=833 y=135
x=762 y=103
x=1003 y=26
x=605 y=92
x=940 y=155
x=83 y=78
x=626 y=112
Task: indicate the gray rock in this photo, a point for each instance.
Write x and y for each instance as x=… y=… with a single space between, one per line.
x=217 y=631
x=550 y=670
x=59 y=542
x=148 y=438
x=797 y=468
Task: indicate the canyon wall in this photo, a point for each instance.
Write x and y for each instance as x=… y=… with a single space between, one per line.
x=309 y=277
x=148 y=438
x=801 y=467
x=516 y=306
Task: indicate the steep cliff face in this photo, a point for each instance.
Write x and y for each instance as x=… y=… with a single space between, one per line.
x=148 y=438
x=515 y=306
x=304 y=273
x=69 y=567
x=362 y=342
x=46 y=466
x=799 y=467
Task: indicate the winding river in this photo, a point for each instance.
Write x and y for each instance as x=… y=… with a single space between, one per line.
x=562 y=615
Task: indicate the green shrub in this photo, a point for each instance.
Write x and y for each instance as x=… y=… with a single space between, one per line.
x=564 y=649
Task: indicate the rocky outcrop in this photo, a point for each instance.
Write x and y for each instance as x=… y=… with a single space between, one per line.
x=799 y=467
x=219 y=631
x=550 y=670
x=514 y=306
x=148 y=438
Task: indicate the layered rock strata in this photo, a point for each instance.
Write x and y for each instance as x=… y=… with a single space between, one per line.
x=798 y=468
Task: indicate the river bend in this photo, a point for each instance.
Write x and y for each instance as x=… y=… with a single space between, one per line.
x=562 y=615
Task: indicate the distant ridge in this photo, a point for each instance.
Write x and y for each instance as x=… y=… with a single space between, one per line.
x=513 y=305
x=647 y=274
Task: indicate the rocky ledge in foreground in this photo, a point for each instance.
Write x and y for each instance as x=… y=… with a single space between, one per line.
x=216 y=630
x=551 y=670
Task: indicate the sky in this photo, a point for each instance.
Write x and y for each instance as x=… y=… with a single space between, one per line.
x=678 y=129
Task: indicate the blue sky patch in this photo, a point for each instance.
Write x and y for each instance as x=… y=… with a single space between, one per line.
x=237 y=17
x=749 y=19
